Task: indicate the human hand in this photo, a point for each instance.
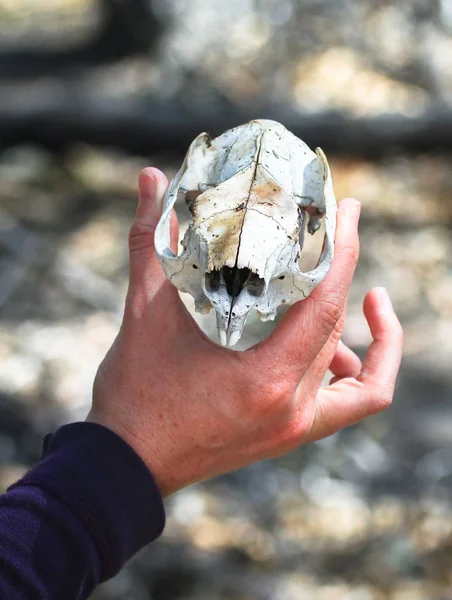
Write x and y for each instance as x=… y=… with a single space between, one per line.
x=193 y=409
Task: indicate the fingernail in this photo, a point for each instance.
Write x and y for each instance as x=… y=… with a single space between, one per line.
x=159 y=195
x=353 y=210
x=385 y=300
x=150 y=198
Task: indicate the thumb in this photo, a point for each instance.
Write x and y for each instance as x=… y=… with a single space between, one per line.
x=152 y=185
x=146 y=273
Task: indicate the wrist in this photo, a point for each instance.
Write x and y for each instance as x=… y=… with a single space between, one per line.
x=136 y=443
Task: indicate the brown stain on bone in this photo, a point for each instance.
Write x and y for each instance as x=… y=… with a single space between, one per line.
x=265 y=193
x=222 y=230
x=270 y=199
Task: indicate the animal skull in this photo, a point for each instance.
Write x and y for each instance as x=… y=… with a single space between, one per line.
x=250 y=192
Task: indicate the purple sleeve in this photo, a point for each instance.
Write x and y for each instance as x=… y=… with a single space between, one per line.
x=75 y=518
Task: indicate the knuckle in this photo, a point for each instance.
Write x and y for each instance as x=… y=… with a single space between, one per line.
x=351 y=252
x=269 y=396
x=295 y=430
x=398 y=335
x=331 y=308
x=338 y=329
x=382 y=399
x=140 y=236
x=392 y=334
x=298 y=429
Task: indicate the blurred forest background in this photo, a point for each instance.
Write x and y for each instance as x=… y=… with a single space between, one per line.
x=91 y=91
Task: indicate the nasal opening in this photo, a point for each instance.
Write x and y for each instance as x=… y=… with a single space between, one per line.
x=235 y=280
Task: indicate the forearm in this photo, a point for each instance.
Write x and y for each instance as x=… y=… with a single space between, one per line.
x=75 y=518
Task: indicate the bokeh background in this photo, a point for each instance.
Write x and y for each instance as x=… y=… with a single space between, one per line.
x=91 y=91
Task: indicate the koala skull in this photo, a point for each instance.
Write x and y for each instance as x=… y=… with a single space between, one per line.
x=250 y=192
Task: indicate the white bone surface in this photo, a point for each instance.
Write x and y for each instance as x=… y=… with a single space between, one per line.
x=251 y=192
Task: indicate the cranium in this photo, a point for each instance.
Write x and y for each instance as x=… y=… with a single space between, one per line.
x=250 y=192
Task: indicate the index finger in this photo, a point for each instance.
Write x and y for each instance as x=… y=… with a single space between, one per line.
x=307 y=325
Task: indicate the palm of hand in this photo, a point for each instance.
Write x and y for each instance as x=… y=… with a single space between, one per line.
x=193 y=410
